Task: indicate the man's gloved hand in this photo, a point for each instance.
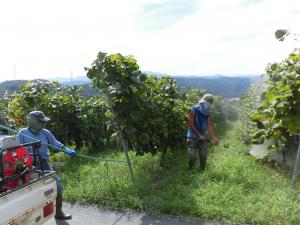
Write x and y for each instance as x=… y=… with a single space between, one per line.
x=69 y=151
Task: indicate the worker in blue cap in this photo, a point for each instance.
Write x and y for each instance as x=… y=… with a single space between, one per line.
x=36 y=122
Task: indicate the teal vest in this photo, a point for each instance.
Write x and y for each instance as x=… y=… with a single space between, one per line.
x=202 y=113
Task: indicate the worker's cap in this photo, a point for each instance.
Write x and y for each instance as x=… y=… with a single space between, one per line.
x=40 y=116
x=207 y=98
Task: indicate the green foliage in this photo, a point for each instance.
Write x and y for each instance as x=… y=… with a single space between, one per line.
x=146 y=109
x=120 y=79
x=30 y=97
x=218 y=110
x=74 y=119
x=278 y=116
x=150 y=112
x=59 y=157
x=168 y=113
x=4 y=120
x=249 y=104
x=194 y=94
x=3 y=104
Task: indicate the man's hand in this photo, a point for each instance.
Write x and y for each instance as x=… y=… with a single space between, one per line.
x=202 y=138
x=215 y=141
x=70 y=151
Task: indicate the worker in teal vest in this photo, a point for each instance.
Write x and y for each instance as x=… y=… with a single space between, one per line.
x=199 y=121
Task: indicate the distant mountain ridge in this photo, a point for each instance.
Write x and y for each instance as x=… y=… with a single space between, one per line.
x=11 y=86
x=225 y=86
x=81 y=80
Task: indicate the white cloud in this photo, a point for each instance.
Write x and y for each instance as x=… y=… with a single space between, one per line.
x=252 y=32
x=53 y=38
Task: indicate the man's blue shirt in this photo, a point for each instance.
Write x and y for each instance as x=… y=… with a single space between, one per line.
x=45 y=136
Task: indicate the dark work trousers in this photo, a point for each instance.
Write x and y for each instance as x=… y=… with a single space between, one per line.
x=195 y=146
x=46 y=166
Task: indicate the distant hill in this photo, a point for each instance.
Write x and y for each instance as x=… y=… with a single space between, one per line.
x=81 y=80
x=11 y=86
x=227 y=87
x=14 y=85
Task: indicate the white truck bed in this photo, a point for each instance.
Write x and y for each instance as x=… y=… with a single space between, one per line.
x=33 y=203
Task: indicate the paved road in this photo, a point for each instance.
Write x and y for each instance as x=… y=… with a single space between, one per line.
x=89 y=215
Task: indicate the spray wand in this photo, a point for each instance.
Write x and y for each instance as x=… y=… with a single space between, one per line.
x=222 y=145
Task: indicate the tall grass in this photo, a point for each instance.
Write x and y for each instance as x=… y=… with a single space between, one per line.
x=234 y=187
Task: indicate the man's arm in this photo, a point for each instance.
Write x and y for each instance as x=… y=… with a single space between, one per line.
x=52 y=140
x=211 y=132
x=20 y=137
x=191 y=118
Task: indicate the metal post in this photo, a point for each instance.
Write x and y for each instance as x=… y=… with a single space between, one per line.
x=125 y=149
x=296 y=167
x=124 y=145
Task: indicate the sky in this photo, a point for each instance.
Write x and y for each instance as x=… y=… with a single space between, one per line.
x=58 y=38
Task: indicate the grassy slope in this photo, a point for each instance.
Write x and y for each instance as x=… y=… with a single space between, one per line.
x=234 y=188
